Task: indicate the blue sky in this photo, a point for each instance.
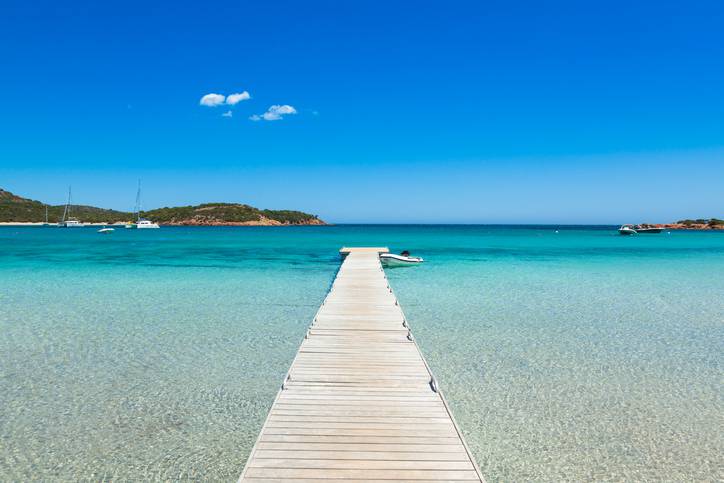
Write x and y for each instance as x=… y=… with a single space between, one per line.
x=554 y=112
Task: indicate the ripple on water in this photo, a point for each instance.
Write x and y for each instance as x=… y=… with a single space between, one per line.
x=155 y=356
x=574 y=372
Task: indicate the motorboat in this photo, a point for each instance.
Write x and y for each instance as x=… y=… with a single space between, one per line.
x=639 y=229
x=644 y=229
x=402 y=260
x=106 y=229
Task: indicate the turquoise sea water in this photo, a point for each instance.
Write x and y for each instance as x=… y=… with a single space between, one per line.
x=569 y=355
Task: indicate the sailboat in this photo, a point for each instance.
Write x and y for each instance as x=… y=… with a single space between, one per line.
x=141 y=223
x=68 y=221
x=46 y=216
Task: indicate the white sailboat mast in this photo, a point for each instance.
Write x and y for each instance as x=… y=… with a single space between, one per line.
x=138 y=202
x=66 y=211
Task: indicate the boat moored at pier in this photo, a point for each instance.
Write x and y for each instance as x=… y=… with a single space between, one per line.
x=402 y=260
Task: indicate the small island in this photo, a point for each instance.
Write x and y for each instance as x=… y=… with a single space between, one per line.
x=697 y=224
x=15 y=209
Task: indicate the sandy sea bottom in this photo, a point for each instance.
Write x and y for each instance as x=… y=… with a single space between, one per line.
x=575 y=355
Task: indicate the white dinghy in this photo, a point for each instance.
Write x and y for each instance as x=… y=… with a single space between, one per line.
x=402 y=260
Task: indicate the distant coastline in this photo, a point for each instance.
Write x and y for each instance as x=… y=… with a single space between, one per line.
x=697 y=224
x=18 y=211
x=201 y=223
x=248 y=223
x=678 y=226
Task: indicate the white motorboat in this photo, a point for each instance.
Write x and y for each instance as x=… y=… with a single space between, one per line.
x=402 y=260
x=639 y=229
x=105 y=229
x=644 y=229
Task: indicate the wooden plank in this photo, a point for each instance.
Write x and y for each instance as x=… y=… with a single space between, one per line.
x=338 y=480
x=333 y=412
x=368 y=385
x=387 y=447
x=322 y=474
x=412 y=404
x=363 y=372
x=363 y=250
x=360 y=464
x=369 y=419
x=343 y=442
x=321 y=428
x=355 y=391
x=369 y=431
x=345 y=397
x=341 y=376
x=358 y=402
x=363 y=455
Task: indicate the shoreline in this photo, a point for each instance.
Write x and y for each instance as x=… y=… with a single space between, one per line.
x=697 y=227
x=672 y=226
x=250 y=223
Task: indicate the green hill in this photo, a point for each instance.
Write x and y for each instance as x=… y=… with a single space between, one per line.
x=702 y=221
x=229 y=214
x=15 y=208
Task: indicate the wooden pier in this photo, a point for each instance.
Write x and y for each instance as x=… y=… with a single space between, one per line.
x=359 y=402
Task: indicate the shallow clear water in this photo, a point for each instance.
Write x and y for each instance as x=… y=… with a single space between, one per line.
x=575 y=355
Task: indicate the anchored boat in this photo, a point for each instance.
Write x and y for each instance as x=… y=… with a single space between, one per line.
x=141 y=223
x=402 y=260
x=627 y=230
x=144 y=223
x=68 y=221
x=638 y=229
x=71 y=223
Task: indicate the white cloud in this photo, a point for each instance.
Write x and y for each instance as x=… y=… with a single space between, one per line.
x=285 y=109
x=227 y=114
x=212 y=100
x=275 y=113
x=233 y=99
